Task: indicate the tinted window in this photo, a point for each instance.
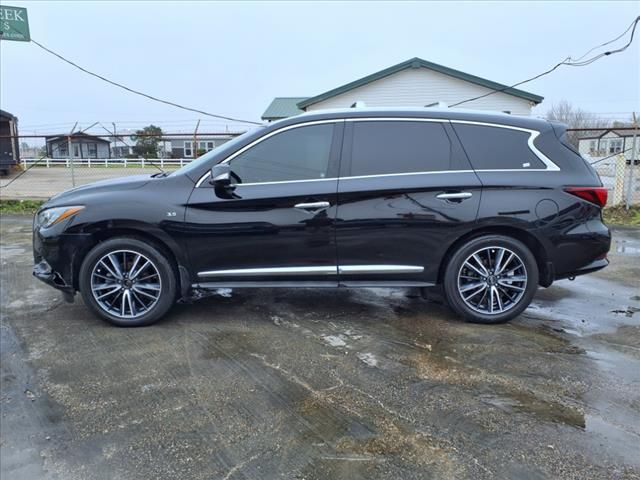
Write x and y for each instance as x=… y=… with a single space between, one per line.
x=491 y=148
x=399 y=147
x=298 y=154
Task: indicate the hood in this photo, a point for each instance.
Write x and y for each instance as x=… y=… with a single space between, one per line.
x=114 y=184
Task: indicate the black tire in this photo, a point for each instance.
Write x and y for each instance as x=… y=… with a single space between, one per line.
x=160 y=272
x=474 y=309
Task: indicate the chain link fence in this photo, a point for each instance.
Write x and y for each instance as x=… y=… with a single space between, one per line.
x=68 y=161
x=614 y=154
x=58 y=163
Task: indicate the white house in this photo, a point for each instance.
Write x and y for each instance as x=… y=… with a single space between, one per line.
x=82 y=145
x=413 y=83
x=181 y=146
x=609 y=143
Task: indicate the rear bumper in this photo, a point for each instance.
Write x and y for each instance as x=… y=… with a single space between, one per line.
x=592 y=267
x=581 y=250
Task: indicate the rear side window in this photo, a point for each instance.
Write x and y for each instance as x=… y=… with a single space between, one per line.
x=495 y=148
x=384 y=147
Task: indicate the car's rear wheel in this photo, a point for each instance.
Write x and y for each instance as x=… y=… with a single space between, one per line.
x=491 y=279
x=127 y=282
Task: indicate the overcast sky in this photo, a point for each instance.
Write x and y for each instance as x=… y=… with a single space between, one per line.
x=232 y=59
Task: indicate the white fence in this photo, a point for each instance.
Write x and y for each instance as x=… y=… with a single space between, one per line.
x=163 y=163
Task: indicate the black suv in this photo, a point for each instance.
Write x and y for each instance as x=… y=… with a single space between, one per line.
x=487 y=206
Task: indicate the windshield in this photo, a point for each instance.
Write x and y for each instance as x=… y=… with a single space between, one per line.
x=225 y=147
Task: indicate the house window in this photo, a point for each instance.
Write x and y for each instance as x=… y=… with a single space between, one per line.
x=63 y=149
x=615 y=145
x=92 y=148
x=188 y=152
x=76 y=150
x=210 y=146
x=593 y=145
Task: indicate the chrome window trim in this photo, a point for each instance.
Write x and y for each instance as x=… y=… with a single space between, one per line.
x=310 y=270
x=533 y=134
x=357 y=177
x=396 y=119
x=265 y=137
x=287 y=181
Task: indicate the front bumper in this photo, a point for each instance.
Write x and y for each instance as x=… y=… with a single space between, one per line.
x=42 y=271
x=57 y=257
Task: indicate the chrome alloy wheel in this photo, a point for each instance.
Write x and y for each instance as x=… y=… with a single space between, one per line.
x=125 y=284
x=492 y=280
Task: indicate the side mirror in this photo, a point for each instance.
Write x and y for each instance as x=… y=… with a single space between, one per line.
x=220 y=175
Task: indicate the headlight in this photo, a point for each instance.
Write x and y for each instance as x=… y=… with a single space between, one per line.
x=51 y=216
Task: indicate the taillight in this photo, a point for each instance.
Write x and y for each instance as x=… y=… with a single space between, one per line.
x=597 y=195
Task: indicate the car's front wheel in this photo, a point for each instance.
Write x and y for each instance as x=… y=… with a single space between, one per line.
x=127 y=282
x=491 y=279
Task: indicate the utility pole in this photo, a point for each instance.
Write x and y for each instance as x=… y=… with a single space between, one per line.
x=634 y=157
x=194 y=148
x=115 y=136
x=73 y=173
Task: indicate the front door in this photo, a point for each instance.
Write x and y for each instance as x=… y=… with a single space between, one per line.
x=276 y=223
x=406 y=193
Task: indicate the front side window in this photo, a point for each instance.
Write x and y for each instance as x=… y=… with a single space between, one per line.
x=386 y=147
x=300 y=153
x=497 y=148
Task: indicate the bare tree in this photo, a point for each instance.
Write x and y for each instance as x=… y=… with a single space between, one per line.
x=575 y=117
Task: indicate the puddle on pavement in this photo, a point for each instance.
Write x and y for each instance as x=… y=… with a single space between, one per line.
x=626 y=247
x=11 y=252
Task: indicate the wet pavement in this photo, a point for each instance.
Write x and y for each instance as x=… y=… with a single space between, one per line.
x=322 y=384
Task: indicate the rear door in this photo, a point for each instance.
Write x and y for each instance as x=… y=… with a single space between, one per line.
x=406 y=192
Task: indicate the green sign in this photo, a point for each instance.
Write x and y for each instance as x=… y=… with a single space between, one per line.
x=14 y=24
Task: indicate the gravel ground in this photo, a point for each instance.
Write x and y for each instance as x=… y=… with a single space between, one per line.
x=322 y=384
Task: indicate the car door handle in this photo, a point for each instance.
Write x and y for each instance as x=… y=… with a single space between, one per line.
x=455 y=196
x=313 y=206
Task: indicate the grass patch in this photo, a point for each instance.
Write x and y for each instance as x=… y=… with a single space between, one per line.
x=19 y=207
x=619 y=215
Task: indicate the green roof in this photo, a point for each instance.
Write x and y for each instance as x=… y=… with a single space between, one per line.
x=283 y=107
x=414 y=63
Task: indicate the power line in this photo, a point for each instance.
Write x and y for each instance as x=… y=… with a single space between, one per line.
x=610 y=156
x=567 y=61
x=137 y=92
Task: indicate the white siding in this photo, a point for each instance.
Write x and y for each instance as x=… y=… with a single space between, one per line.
x=417 y=87
x=603 y=148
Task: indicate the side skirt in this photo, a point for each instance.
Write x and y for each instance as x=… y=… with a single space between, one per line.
x=310 y=284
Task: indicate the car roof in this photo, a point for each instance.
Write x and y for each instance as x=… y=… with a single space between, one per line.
x=420 y=112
